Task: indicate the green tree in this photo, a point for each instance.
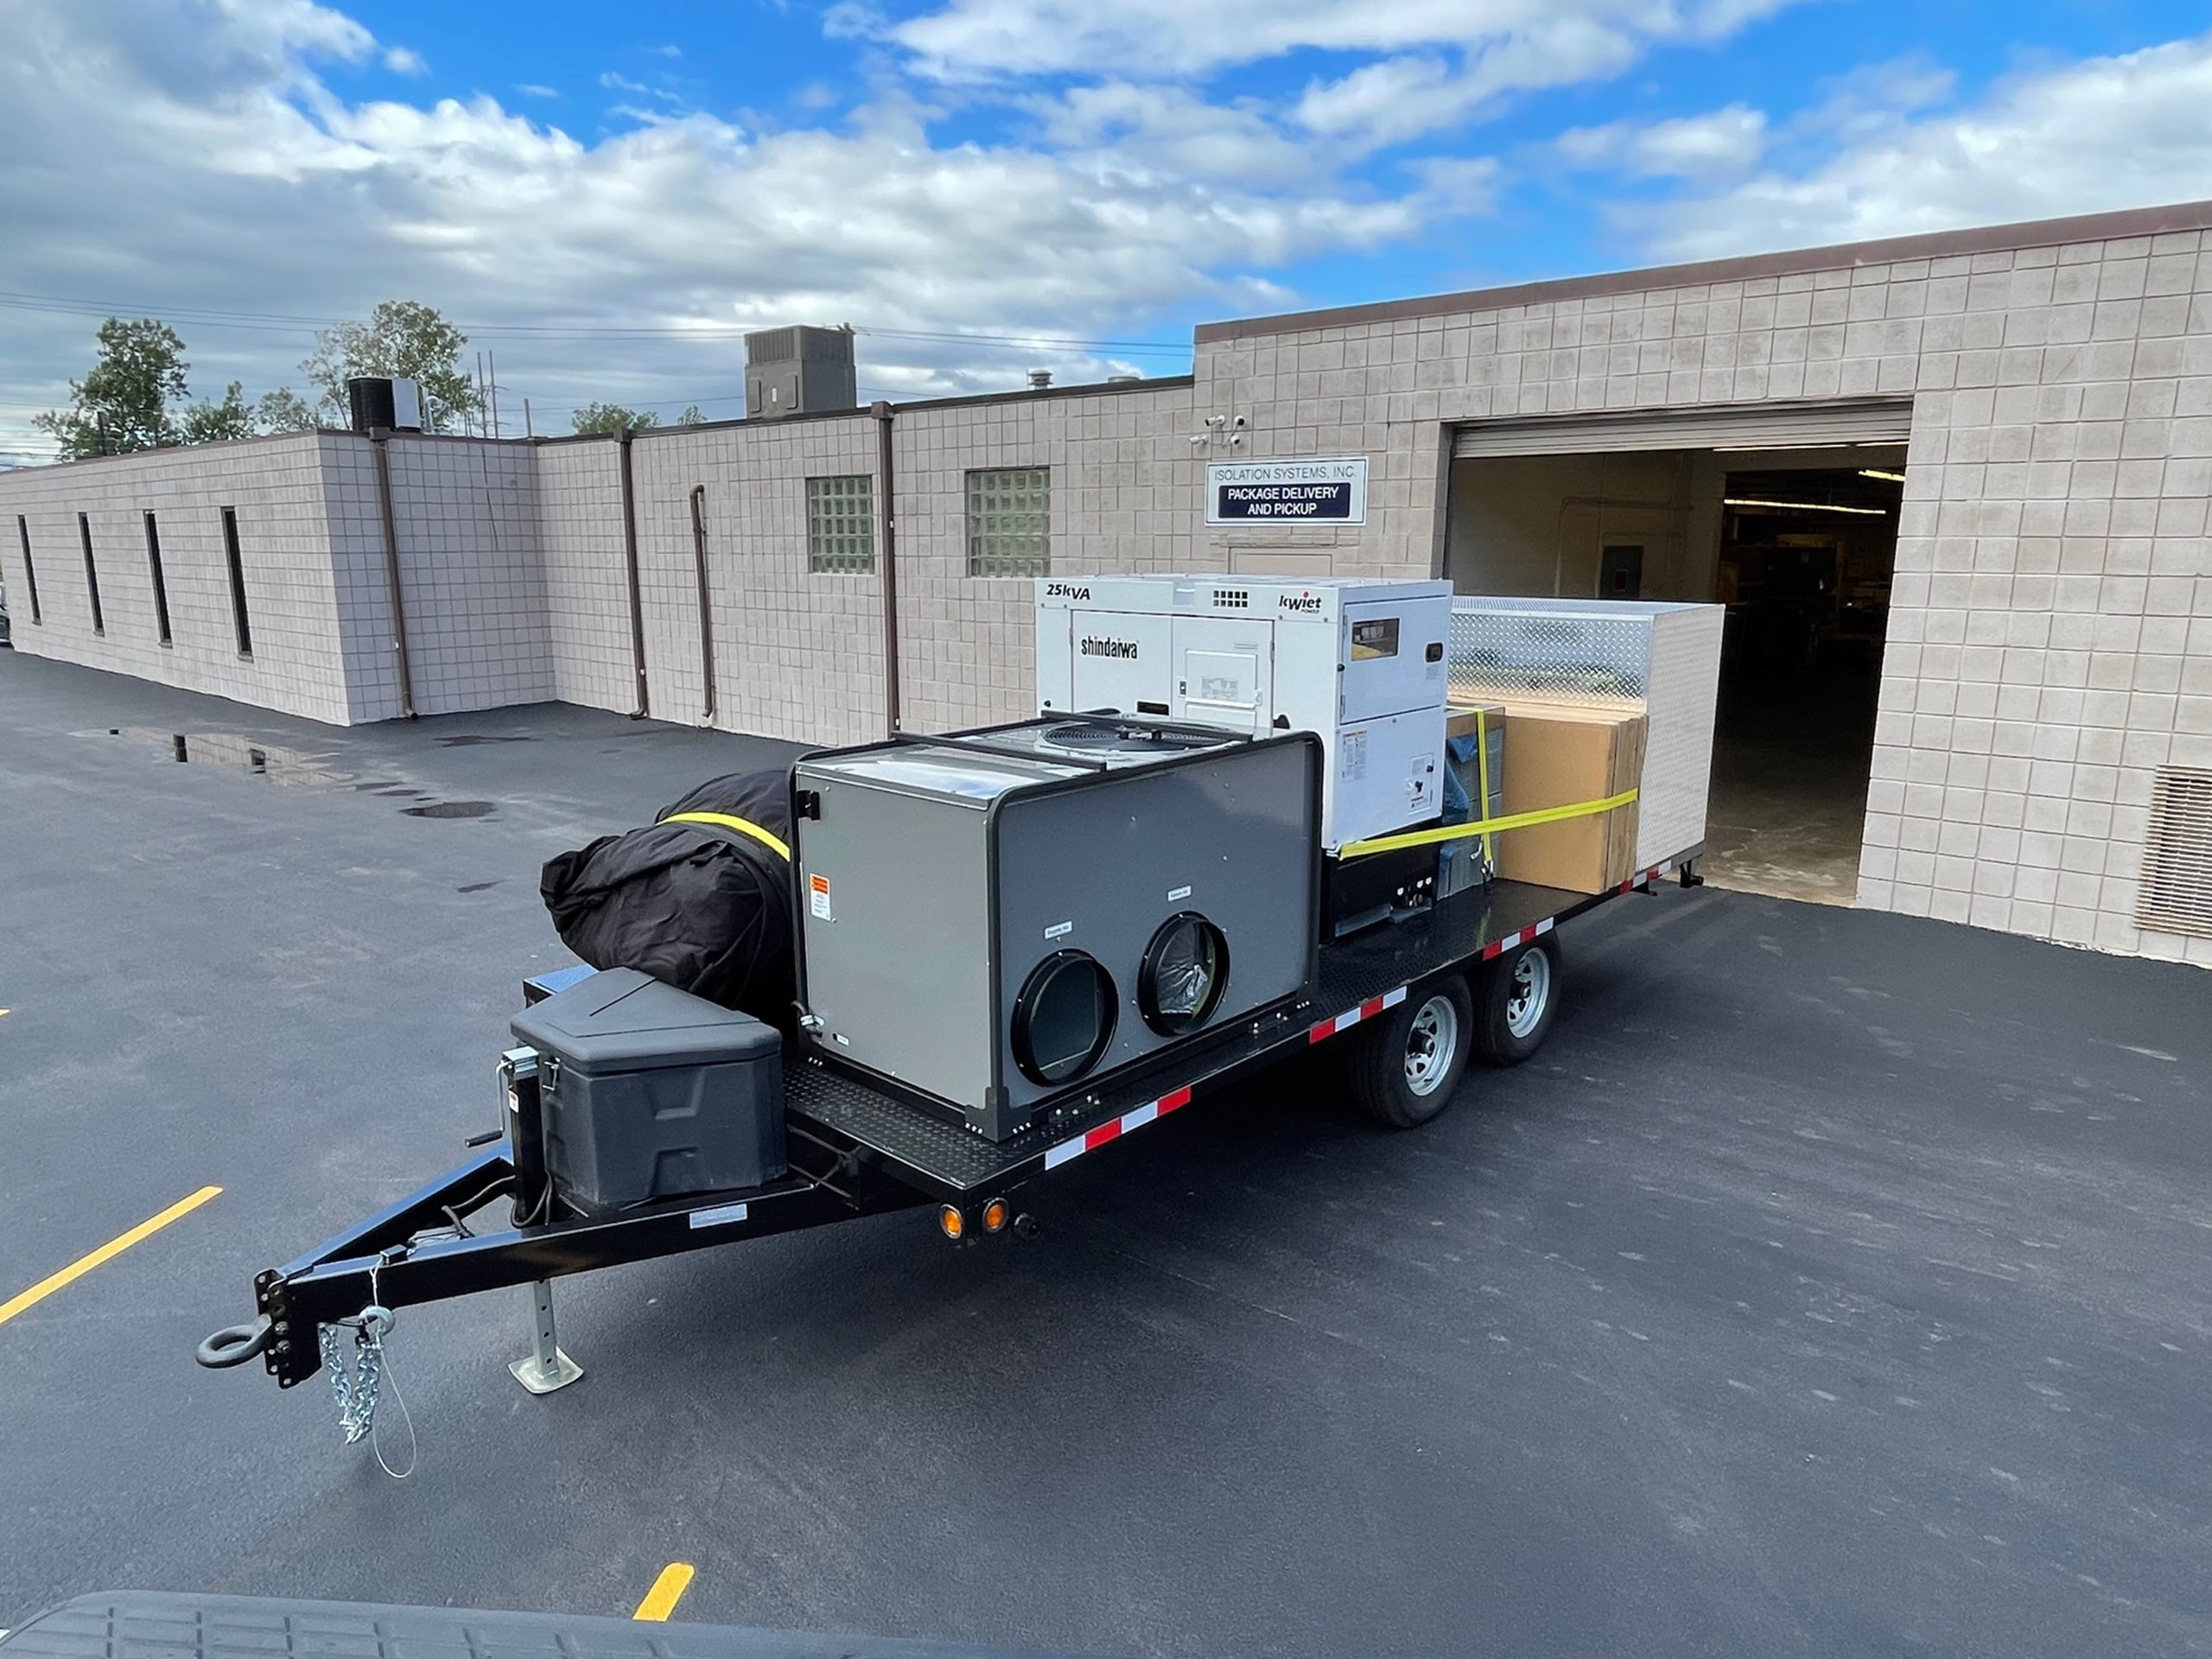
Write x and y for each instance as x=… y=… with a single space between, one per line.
x=405 y=340
x=284 y=411
x=123 y=404
x=692 y=416
x=206 y=422
x=613 y=417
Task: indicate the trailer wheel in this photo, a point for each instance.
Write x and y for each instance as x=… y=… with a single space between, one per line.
x=1403 y=1068
x=1515 y=999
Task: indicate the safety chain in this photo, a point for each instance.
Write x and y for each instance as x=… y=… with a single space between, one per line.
x=355 y=1391
x=355 y=1386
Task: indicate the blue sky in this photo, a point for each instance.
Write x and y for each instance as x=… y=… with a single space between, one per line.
x=1091 y=178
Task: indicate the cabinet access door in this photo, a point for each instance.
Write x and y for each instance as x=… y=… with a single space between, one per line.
x=1224 y=672
x=1122 y=661
x=1394 y=656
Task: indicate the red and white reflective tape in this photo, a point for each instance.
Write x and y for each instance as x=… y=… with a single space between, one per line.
x=1515 y=941
x=1649 y=876
x=1351 y=1017
x=1118 y=1128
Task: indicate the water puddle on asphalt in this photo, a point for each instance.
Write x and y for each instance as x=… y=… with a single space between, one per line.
x=275 y=763
x=450 y=810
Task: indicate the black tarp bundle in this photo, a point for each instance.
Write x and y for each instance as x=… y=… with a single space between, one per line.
x=704 y=907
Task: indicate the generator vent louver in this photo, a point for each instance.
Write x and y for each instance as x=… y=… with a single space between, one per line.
x=2175 y=895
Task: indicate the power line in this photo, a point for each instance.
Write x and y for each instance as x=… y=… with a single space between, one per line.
x=279 y=322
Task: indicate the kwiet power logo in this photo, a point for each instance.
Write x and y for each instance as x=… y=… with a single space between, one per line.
x=1308 y=603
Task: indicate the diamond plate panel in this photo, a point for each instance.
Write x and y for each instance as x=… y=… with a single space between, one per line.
x=1506 y=651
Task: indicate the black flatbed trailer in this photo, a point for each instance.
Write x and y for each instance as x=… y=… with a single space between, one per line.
x=857 y=1151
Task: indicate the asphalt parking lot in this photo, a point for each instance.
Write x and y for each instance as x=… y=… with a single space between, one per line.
x=1833 y=1283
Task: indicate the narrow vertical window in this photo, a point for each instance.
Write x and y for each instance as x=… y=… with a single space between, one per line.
x=237 y=581
x=91 y=572
x=30 y=571
x=161 y=587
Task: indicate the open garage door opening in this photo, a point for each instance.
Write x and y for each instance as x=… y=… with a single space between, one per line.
x=1795 y=533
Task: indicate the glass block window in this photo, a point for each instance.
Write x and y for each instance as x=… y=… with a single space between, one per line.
x=840 y=523
x=1009 y=521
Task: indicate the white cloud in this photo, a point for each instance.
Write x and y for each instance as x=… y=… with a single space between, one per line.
x=1169 y=134
x=2105 y=133
x=404 y=60
x=1510 y=43
x=189 y=156
x=531 y=89
x=1720 y=144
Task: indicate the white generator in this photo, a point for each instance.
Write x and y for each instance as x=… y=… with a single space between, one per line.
x=1361 y=663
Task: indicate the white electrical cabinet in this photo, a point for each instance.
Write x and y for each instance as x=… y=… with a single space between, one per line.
x=1361 y=663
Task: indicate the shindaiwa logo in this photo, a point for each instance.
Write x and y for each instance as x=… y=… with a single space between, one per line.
x=1066 y=590
x=1308 y=602
x=1094 y=647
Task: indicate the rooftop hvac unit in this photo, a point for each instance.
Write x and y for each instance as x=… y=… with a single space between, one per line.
x=799 y=371
x=376 y=400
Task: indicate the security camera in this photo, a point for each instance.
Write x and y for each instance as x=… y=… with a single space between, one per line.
x=1238 y=422
x=1236 y=438
x=1201 y=438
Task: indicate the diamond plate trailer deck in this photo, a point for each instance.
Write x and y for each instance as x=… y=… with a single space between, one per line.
x=856 y=1150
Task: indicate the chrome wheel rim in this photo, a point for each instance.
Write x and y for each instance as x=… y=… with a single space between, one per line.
x=1430 y=1045
x=1531 y=993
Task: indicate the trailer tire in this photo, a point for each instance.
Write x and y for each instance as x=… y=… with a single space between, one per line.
x=1516 y=996
x=1404 y=1067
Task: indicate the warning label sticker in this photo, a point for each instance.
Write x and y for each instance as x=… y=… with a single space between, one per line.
x=1352 y=754
x=817 y=890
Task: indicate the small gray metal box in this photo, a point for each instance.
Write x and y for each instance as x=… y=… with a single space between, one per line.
x=650 y=1092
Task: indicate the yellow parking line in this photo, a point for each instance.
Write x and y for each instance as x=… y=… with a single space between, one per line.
x=114 y=1247
x=668 y=1590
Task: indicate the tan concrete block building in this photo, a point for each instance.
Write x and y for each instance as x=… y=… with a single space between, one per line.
x=1953 y=489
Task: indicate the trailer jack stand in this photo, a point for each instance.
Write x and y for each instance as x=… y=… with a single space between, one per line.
x=545 y=1368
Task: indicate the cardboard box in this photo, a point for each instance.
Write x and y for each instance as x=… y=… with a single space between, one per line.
x=1557 y=754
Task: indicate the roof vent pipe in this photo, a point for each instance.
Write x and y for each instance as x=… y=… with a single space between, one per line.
x=1039 y=378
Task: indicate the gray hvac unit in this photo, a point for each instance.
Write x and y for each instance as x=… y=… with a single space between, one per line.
x=799 y=371
x=996 y=921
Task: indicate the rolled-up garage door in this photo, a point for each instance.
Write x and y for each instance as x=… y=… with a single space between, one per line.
x=1743 y=426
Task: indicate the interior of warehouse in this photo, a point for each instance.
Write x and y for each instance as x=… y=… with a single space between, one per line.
x=1798 y=542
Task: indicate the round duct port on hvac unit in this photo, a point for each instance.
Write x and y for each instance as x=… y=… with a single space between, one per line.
x=1185 y=970
x=1113 y=740
x=1063 y=1018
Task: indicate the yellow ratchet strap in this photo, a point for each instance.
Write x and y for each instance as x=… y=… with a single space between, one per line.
x=1484 y=826
x=743 y=826
x=1481 y=776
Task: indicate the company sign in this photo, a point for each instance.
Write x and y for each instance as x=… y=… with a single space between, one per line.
x=1287 y=491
